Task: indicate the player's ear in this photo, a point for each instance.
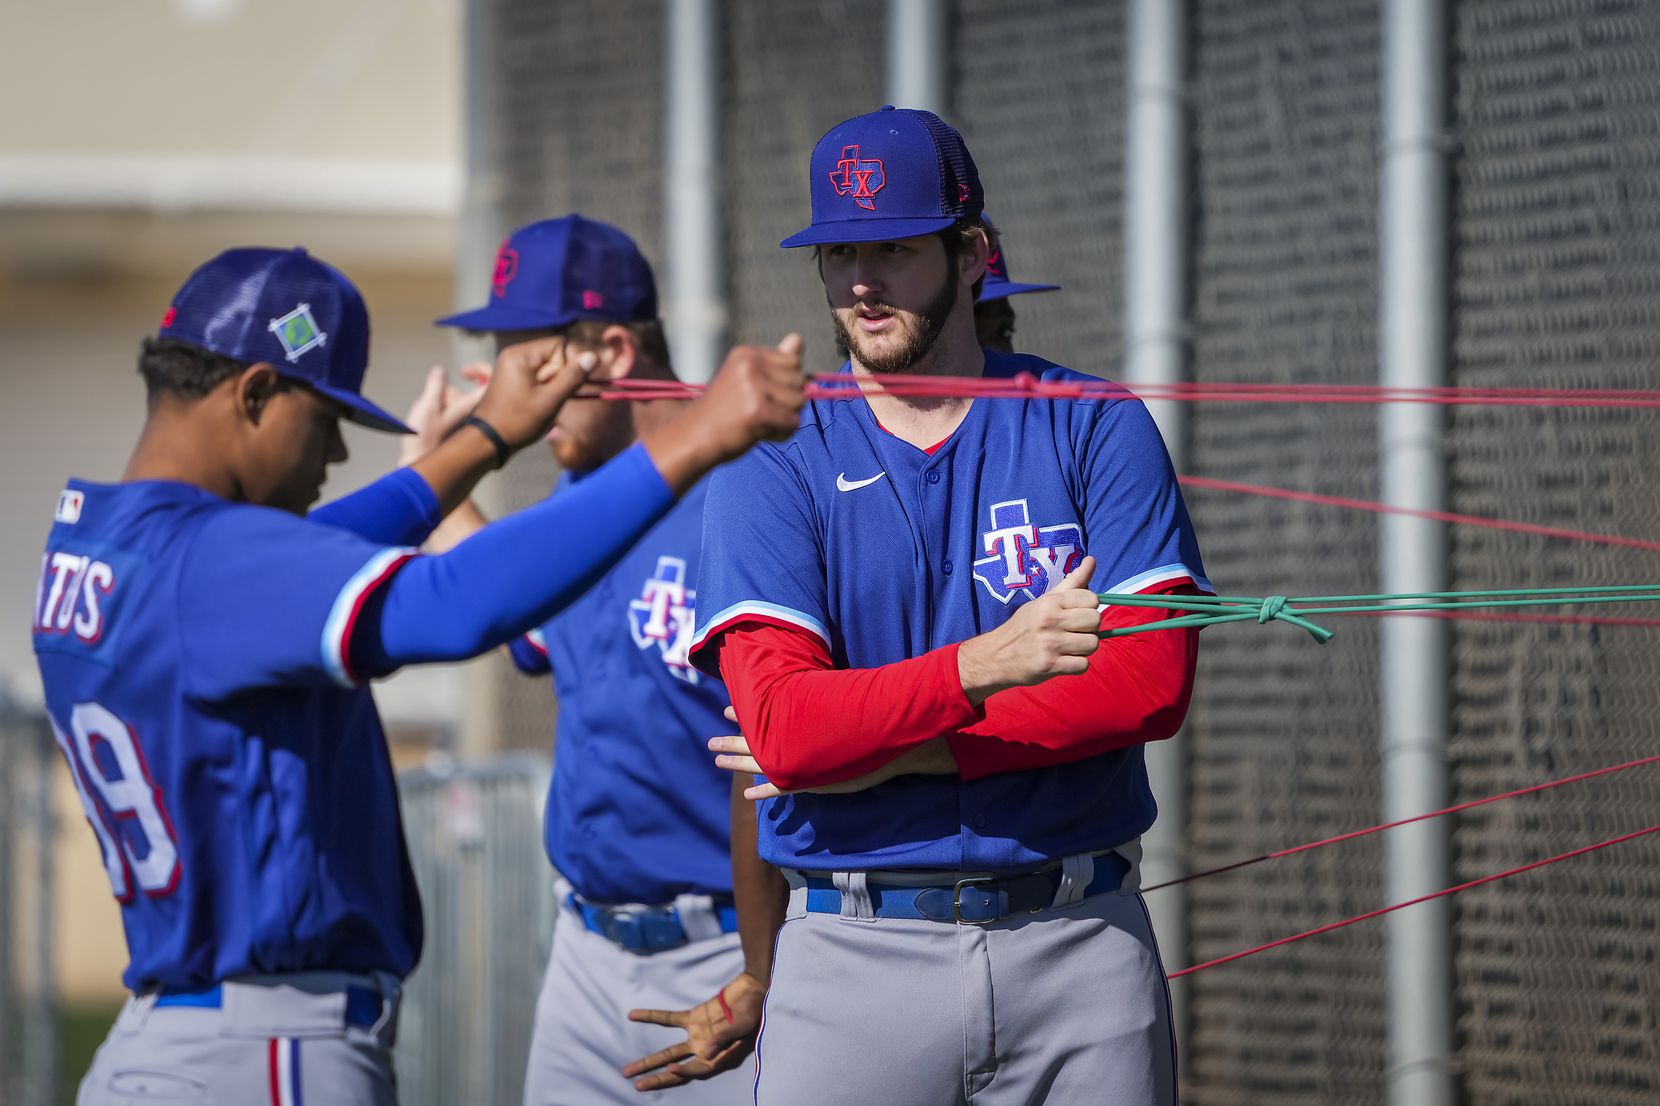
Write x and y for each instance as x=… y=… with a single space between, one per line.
x=254 y=389
x=973 y=257
x=619 y=351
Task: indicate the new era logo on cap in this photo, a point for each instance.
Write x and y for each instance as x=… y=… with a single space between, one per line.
x=895 y=173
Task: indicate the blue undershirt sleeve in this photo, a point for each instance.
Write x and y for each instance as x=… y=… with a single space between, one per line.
x=514 y=574
x=527 y=658
x=398 y=509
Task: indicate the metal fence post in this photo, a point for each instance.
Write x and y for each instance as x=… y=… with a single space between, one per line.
x=919 y=55
x=1413 y=290
x=1155 y=263
x=696 y=231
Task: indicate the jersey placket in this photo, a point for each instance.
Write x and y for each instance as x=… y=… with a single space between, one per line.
x=934 y=486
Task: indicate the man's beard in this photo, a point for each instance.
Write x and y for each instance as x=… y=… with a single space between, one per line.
x=904 y=357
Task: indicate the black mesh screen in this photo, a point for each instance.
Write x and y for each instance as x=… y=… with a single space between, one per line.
x=581 y=130
x=1556 y=249
x=1557 y=254
x=1039 y=96
x=1285 y=733
x=795 y=71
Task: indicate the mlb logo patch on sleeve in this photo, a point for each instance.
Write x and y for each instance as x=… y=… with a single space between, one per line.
x=70 y=503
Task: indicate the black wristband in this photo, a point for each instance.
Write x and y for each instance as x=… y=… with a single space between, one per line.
x=503 y=452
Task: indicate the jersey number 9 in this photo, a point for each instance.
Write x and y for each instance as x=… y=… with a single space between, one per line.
x=121 y=802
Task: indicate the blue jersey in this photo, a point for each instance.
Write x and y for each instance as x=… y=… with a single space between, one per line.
x=637 y=811
x=884 y=552
x=195 y=657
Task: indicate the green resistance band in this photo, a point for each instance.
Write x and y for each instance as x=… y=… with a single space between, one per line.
x=1211 y=610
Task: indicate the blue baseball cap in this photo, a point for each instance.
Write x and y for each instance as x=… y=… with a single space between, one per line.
x=289 y=310
x=895 y=173
x=997 y=284
x=555 y=272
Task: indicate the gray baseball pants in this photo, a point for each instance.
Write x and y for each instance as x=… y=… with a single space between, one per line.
x=280 y=1040
x=1067 y=1007
x=583 y=1036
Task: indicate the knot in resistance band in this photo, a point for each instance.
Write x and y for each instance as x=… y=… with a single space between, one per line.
x=1209 y=610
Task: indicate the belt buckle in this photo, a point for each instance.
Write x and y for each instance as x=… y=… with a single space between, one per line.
x=661 y=930
x=957 y=901
x=624 y=928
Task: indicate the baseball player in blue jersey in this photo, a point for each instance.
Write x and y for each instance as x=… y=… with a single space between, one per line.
x=994 y=318
x=637 y=813
x=203 y=647
x=901 y=601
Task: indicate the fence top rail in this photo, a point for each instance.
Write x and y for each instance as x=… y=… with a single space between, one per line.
x=441 y=769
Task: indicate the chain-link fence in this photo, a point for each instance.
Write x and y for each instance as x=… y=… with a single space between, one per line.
x=475 y=837
x=1556 y=252
x=1556 y=226
x=28 y=999
x=1285 y=104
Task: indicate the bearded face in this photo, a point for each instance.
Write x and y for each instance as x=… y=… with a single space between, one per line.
x=889 y=300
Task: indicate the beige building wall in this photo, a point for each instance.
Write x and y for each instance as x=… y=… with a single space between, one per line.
x=189 y=102
x=142 y=137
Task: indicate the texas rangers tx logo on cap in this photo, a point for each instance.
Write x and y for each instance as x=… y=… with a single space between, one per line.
x=906 y=172
x=858 y=177
x=297 y=331
x=555 y=272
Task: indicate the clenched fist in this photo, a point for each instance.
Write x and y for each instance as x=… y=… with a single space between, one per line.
x=756 y=396
x=1053 y=635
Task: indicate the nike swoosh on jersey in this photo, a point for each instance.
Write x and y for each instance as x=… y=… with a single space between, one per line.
x=843 y=484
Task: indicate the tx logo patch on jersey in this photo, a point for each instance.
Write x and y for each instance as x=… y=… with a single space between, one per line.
x=860 y=178
x=1024 y=559
x=297 y=331
x=664 y=617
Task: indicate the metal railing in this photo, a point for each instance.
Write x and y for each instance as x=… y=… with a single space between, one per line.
x=28 y=992
x=475 y=838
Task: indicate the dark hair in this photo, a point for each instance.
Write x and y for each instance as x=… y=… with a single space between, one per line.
x=179 y=370
x=962 y=234
x=648 y=335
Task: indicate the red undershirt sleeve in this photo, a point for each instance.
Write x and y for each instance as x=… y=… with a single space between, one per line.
x=1137 y=690
x=810 y=724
